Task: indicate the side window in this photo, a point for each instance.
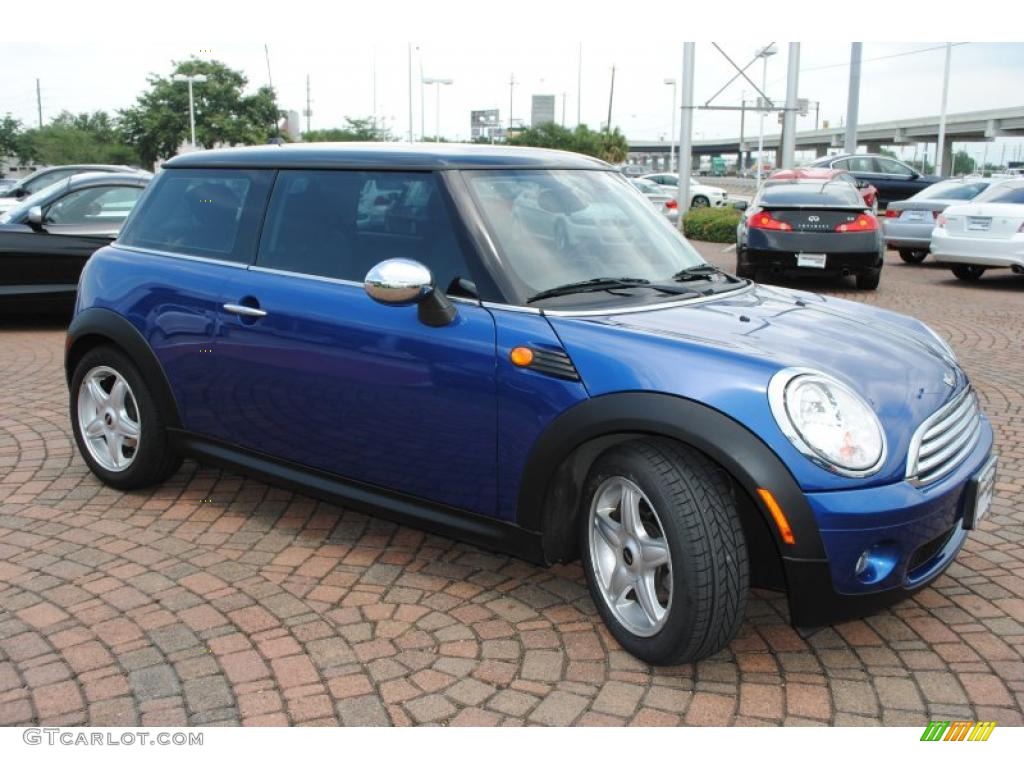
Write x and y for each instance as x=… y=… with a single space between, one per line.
x=860 y=165
x=843 y=165
x=95 y=205
x=201 y=212
x=887 y=165
x=339 y=224
x=46 y=179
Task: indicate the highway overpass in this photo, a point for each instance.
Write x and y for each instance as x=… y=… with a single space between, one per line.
x=985 y=125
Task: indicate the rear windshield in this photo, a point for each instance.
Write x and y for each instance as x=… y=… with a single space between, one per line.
x=953 y=190
x=1007 y=192
x=788 y=193
x=201 y=212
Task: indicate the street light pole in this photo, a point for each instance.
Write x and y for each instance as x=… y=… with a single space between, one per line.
x=940 y=151
x=763 y=54
x=437 y=82
x=672 y=136
x=180 y=78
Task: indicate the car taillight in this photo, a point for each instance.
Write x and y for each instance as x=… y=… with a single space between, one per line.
x=891 y=214
x=935 y=214
x=671 y=204
x=863 y=223
x=940 y=221
x=764 y=220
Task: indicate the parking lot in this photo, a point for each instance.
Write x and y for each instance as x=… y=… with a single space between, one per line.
x=216 y=599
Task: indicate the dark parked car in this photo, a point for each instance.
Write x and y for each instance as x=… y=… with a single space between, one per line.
x=46 y=240
x=44 y=177
x=685 y=432
x=893 y=179
x=810 y=226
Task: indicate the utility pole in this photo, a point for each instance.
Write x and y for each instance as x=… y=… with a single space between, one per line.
x=373 y=89
x=410 y=91
x=853 y=100
x=579 y=84
x=741 y=164
x=940 y=154
x=39 y=103
x=686 y=129
x=789 y=116
x=270 y=79
x=611 y=95
x=511 y=89
x=309 y=106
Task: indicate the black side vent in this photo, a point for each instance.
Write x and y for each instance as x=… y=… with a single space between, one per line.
x=553 y=363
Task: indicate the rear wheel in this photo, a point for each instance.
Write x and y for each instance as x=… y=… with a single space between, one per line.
x=699 y=201
x=118 y=429
x=745 y=270
x=913 y=257
x=868 y=281
x=968 y=271
x=663 y=551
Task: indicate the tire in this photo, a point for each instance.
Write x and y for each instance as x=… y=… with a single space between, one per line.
x=868 y=281
x=699 y=201
x=701 y=591
x=745 y=270
x=969 y=272
x=133 y=462
x=913 y=257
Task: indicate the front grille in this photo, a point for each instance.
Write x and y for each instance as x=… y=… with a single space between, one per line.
x=924 y=554
x=945 y=439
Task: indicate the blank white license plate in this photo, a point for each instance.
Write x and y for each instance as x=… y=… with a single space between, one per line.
x=815 y=260
x=984 y=485
x=979 y=223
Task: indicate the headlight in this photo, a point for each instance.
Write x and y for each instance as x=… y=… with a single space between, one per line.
x=827 y=422
x=943 y=344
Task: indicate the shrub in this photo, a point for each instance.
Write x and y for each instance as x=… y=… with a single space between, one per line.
x=713 y=225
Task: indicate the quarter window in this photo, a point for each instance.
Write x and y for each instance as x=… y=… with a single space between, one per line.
x=339 y=224
x=200 y=212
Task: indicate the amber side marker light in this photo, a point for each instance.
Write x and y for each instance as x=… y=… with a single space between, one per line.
x=777 y=515
x=521 y=356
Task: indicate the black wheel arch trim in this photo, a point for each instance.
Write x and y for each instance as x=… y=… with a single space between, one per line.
x=100 y=323
x=733 y=446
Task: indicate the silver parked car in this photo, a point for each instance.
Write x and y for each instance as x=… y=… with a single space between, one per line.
x=908 y=224
x=659 y=198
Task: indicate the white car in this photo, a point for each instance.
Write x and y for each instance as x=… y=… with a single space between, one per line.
x=701 y=195
x=986 y=233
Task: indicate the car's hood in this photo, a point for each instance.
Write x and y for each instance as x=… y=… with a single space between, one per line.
x=724 y=351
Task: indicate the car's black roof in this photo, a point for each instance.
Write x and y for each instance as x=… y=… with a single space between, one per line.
x=387 y=155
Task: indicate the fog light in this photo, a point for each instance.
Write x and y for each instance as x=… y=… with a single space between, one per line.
x=876 y=562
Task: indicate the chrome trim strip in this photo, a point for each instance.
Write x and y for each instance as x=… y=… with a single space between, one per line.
x=185 y=256
x=681 y=302
x=509 y=307
x=305 y=276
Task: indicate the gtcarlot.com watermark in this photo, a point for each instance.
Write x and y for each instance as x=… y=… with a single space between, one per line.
x=74 y=737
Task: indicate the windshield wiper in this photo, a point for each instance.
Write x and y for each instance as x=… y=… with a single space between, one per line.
x=699 y=272
x=605 y=284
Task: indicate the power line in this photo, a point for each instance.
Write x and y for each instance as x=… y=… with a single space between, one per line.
x=880 y=58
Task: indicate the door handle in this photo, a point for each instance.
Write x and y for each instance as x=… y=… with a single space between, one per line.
x=241 y=309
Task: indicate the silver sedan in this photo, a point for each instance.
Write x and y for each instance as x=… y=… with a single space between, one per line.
x=659 y=198
x=908 y=224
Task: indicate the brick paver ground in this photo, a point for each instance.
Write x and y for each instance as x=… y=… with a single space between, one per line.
x=216 y=599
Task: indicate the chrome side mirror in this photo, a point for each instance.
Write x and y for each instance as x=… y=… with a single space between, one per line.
x=35 y=217
x=402 y=282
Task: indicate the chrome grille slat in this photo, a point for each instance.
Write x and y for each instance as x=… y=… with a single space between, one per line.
x=929 y=447
x=945 y=439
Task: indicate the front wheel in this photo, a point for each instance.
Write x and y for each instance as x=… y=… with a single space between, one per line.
x=116 y=424
x=663 y=551
x=968 y=271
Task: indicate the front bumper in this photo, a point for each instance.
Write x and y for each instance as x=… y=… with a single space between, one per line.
x=984 y=253
x=919 y=529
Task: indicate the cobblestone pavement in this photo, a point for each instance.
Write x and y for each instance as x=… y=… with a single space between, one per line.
x=219 y=600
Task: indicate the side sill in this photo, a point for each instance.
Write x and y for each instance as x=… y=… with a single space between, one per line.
x=485 y=532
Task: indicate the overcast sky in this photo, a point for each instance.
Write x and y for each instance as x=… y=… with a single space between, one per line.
x=80 y=78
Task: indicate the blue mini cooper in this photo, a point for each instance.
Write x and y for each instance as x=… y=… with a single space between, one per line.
x=512 y=347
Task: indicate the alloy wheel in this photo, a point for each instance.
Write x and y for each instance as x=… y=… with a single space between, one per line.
x=630 y=556
x=108 y=419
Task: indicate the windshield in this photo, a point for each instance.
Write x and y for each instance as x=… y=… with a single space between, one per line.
x=556 y=227
x=952 y=190
x=39 y=198
x=1005 y=192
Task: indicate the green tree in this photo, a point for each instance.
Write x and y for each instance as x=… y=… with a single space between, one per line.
x=82 y=138
x=10 y=136
x=962 y=163
x=355 y=129
x=610 y=146
x=921 y=166
x=157 y=124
